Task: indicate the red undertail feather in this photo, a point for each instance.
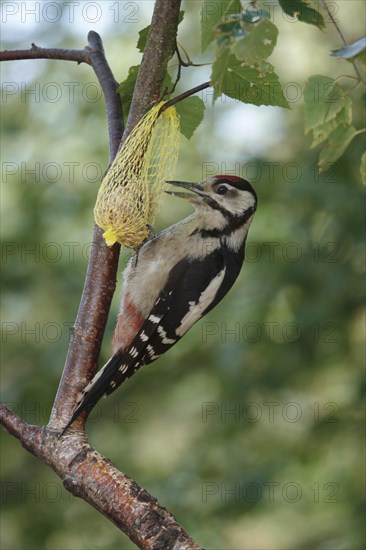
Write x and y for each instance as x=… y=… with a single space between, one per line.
x=128 y=325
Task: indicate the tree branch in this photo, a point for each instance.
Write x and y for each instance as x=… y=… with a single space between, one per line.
x=92 y=477
x=87 y=334
x=182 y=96
x=84 y=471
x=160 y=47
x=15 y=425
x=35 y=52
x=110 y=90
x=100 y=282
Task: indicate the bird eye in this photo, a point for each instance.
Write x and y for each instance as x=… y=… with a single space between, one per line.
x=221 y=190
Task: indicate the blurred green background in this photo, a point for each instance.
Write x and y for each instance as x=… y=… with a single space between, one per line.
x=250 y=429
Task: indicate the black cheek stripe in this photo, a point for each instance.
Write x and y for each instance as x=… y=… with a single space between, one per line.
x=234 y=221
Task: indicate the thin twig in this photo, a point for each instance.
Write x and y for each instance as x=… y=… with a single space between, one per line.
x=181 y=64
x=35 y=52
x=187 y=63
x=182 y=96
x=338 y=29
x=179 y=71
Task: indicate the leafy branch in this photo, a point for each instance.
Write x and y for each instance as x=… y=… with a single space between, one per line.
x=245 y=38
x=328 y=109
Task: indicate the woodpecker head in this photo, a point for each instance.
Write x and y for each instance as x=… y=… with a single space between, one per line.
x=221 y=201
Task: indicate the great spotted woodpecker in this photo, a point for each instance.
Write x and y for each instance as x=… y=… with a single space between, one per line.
x=175 y=278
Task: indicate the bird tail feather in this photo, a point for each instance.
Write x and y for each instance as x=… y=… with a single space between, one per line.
x=120 y=366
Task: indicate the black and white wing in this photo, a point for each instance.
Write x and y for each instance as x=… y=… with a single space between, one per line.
x=192 y=289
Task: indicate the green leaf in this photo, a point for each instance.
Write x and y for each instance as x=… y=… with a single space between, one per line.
x=219 y=69
x=237 y=26
x=363 y=168
x=303 y=12
x=361 y=58
x=343 y=118
x=258 y=44
x=213 y=12
x=255 y=85
x=141 y=43
x=323 y=99
x=166 y=87
x=126 y=88
x=231 y=28
x=228 y=33
x=191 y=112
x=335 y=147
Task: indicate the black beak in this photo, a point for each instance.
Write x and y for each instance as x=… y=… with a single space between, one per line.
x=193 y=187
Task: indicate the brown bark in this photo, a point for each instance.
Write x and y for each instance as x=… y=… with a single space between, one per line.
x=92 y=477
x=85 y=473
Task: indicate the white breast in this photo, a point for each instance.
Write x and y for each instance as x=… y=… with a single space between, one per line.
x=144 y=281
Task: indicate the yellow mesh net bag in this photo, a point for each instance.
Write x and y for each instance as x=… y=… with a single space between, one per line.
x=129 y=194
